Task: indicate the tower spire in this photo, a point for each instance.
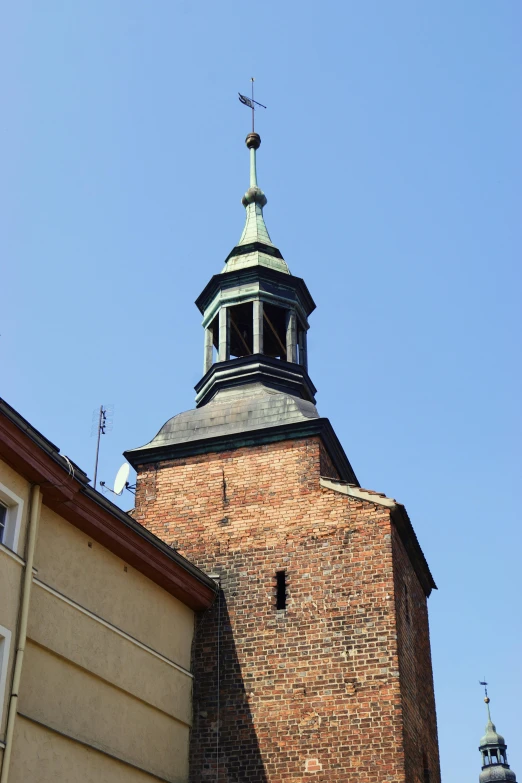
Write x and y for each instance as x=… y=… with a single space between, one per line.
x=255 y=248
x=254 y=200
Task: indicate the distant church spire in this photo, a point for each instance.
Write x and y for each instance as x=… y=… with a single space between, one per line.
x=493 y=748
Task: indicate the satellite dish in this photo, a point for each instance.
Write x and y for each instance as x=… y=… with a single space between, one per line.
x=121 y=478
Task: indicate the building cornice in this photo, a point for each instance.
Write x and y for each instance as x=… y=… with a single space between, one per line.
x=305 y=429
x=66 y=491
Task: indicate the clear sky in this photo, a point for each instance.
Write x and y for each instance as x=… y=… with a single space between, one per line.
x=391 y=159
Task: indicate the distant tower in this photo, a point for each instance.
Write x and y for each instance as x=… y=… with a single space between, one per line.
x=314 y=663
x=495 y=765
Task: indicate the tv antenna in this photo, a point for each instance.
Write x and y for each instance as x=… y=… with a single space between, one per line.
x=121 y=481
x=101 y=424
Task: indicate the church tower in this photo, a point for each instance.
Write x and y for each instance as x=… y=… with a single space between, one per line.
x=314 y=662
x=493 y=748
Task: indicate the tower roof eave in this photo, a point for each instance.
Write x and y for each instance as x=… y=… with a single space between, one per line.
x=254 y=274
x=205 y=441
x=256 y=254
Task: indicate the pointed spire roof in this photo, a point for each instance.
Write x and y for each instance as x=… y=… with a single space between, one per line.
x=255 y=248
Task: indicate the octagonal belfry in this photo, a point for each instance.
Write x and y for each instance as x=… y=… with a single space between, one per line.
x=255 y=308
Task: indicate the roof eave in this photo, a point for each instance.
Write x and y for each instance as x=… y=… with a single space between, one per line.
x=322 y=427
x=413 y=548
x=65 y=489
x=247 y=274
x=402 y=522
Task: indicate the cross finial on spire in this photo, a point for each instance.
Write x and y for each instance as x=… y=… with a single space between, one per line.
x=251 y=103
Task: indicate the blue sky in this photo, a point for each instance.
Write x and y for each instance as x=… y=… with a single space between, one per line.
x=392 y=164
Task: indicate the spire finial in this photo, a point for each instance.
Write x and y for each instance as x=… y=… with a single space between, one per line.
x=251 y=103
x=255 y=236
x=486 y=697
x=253 y=112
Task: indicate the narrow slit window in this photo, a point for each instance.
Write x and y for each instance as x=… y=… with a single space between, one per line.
x=280 y=589
x=427 y=776
x=407 y=604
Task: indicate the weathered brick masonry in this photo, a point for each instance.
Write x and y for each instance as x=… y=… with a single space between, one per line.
x=416 y=677
x=337 y=686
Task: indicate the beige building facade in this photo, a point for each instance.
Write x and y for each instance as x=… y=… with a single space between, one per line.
x=96 y=627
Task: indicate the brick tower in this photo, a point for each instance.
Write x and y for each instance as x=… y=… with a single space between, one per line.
x=314 y=663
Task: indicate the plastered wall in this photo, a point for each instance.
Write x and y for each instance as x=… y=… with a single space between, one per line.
x=40 y=755
x=90 y=575
x=106 y=688
x=69 y=699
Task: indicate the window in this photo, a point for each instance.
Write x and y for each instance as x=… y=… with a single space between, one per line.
x=5 y=644
x=280 y=589
x=274 y=331
x=427 y=776
x=11 y=508
x=3 y=521
x=241 y=330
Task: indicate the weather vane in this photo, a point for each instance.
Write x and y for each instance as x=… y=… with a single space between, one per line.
x=484 y=683
x=251 y=103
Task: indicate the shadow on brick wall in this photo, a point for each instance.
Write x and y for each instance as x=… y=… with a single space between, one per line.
x=236 y=747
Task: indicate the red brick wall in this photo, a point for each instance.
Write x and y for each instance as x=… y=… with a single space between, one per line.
x=307 y=693
x=418 y=699
x=325 y=463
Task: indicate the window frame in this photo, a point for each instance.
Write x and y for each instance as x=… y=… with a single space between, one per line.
x=4 y=511
x=5 y=652
x=13 y=517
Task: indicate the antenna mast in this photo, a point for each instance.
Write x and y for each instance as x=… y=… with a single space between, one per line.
x=103 y=425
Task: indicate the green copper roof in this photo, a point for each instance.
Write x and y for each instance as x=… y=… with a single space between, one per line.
x=255 y=229
x=491 y=737
x=250 y=250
